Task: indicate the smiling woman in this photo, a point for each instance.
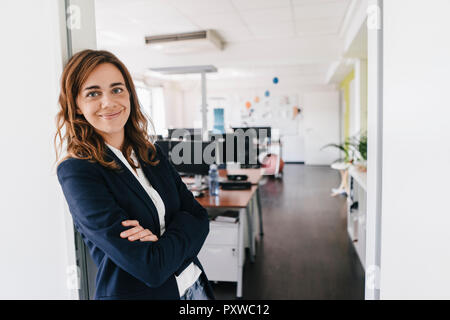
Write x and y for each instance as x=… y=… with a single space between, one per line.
x=105 y=103
x=141 y=224
x=95 y=86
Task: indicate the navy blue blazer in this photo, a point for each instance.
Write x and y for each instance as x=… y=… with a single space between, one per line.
x=100 y=199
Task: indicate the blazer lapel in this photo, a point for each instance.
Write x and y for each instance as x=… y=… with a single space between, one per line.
x=136 y=186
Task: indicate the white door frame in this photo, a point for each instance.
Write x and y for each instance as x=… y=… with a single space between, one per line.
x=375 y=148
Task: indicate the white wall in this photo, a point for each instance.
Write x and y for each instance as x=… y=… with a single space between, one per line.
x=415 y=255
x=321 y=127
x=174 y=104
x=33 y=246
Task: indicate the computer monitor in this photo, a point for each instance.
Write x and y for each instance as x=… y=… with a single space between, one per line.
x=237 y=148
x=191 y=157
x=156 y=137
x=261 y=132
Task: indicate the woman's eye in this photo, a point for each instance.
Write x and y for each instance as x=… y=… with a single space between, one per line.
x=117 y=90
x=92 y=94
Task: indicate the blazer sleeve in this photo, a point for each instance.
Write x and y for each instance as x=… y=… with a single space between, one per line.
x=99 y=218
x=190 y=206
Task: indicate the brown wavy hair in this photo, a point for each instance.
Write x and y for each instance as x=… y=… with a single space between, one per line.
x=83 y=142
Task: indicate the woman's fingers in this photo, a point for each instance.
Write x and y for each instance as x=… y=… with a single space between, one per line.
x=129 y=223
x=137 y=232
x=130 y=232
x=140 y=234
x=150 y=238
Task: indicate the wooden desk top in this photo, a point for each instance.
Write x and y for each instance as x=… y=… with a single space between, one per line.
x=227 y=198
x=231 y=198
x=254 y=175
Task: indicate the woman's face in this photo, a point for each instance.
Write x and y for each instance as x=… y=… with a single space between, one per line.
x=105 y=102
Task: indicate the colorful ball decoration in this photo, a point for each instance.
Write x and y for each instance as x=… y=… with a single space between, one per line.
x=256 y=99
x=248 y=104
x=275 y=80
x=267 y=93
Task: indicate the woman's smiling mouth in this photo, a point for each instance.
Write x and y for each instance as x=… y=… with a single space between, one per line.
x=111 y=115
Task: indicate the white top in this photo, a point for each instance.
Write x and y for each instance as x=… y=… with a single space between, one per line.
x=189 y=275
x=340 y=165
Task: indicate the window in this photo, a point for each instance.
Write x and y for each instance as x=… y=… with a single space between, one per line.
x=152 y=103
x=158 y=109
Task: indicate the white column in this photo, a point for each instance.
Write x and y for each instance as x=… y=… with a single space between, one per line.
x=204 y=106
x=415 y=255
x=37 y=258
x=38 y=254
x=375 y=149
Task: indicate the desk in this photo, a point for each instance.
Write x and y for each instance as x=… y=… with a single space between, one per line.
x=223 y=253
x=254 y=177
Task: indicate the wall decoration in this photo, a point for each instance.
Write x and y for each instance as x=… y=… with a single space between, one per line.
x=278 y=111
x=275 y=80
x=256 y=99
x=267 y=93
x=248 y=104
x=284 y=100
x=295 y=112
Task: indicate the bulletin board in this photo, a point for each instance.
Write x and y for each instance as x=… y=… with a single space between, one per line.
x=281 y=112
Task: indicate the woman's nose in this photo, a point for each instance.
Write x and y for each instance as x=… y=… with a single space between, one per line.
x=107 y=101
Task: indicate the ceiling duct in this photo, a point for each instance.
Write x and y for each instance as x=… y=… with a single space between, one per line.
x=188 y=42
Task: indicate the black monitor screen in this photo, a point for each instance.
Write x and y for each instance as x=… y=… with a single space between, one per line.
x=237 y=148
x=193 y=157
x=261 y=132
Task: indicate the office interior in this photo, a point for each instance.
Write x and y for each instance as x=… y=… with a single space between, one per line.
x=346 y=196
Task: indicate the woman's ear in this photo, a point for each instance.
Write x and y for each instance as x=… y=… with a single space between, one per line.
x=78 y=111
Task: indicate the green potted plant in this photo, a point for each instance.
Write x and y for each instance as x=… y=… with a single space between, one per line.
x=360 y=157
x=346 y=147
x=355 y=150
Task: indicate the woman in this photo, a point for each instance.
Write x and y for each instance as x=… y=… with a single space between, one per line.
x=142 y=226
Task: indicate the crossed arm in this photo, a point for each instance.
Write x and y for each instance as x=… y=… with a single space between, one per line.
x=102 y=221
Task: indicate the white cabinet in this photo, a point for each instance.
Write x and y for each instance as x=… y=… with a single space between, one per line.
x=356 y=212
x=220 y=262
x=222 y=255
x=222 y=233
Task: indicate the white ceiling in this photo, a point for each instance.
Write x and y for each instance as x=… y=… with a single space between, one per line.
x=298 y=39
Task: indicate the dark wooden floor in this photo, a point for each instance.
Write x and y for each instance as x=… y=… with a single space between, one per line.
x=305 y=252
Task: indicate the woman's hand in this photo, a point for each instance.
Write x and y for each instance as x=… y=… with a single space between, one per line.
x=137 y=232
